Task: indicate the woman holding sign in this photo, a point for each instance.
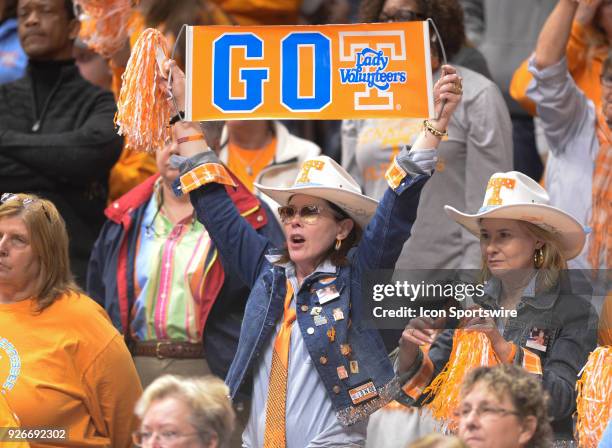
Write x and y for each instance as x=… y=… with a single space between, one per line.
x=525 y=244
x=315 y=381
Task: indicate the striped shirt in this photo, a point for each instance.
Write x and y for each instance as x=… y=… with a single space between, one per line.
x=171 y=266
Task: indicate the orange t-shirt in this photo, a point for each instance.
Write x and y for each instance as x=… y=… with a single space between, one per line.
x=68 y=368
x=9 y=421
x=246 y=164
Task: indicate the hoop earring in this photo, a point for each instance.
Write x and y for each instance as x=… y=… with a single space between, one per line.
x=538 y=258
x=338 y=244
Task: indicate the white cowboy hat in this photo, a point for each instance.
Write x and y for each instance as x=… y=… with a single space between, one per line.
x=322 y=177
x=513 y=195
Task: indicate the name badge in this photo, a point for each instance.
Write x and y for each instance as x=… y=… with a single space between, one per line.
x=538 y=339
x=327 y=294
x=365 y=392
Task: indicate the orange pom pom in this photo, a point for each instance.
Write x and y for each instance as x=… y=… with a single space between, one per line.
x=143 y=111
x=594 y=401
x=471 y=349
x=104 y=24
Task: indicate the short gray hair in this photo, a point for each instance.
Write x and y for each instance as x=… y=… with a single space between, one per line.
x=207 y=397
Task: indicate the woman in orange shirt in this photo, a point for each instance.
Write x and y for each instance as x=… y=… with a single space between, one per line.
x=63 y=366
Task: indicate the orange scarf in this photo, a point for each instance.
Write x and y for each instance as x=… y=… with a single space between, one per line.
x=601 y=215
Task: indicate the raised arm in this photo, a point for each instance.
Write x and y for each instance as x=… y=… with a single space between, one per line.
x=566 y=113
x=206 y=179
x=390 y=227
x=552 y=42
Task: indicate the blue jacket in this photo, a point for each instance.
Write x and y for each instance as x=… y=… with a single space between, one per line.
x=570 y=323
x=110 y=276
x=355 y=397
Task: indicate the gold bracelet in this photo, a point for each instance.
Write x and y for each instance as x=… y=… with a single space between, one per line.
x=433 y=131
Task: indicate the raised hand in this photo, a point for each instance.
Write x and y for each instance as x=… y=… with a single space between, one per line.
x=587 y=9
x=173 y=74
x=447 y=94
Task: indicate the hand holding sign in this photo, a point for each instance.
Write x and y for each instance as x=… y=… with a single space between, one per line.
x=172 y=73
x=447 y=94
x=189 y=134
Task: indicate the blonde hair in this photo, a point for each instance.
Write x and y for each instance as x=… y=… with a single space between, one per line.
x=438 y=441
x=524 y=390
x=207 y=398
x=553 y=260
x=49 y=241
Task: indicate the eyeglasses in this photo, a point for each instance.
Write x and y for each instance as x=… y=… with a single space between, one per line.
x=308 y=214
x=402 y=16
x=140 y=438
x=484 y=412
x=25 y=202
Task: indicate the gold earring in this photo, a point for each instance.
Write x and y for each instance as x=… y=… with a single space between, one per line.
x=338 y=244
x=538 y=258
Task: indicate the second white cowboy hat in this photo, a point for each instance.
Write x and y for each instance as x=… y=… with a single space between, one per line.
x=324 y=178
x=513 y=195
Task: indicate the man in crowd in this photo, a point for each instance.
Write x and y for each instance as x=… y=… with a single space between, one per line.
x=57 y=136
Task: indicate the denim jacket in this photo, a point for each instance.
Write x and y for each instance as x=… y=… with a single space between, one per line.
x=375 y=383
x=570 y=325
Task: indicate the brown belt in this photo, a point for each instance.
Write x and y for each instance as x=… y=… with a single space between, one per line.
x=168 y=349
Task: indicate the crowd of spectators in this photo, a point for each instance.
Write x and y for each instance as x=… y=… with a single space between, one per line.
x=137 y=309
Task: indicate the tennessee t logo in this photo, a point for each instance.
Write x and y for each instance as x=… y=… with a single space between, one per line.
x=304 y=177
x=497 y=184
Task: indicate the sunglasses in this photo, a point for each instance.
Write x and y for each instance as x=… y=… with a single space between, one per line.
x=308 y=214
x=402 y=16
x=25 y=202
x=6 y=197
